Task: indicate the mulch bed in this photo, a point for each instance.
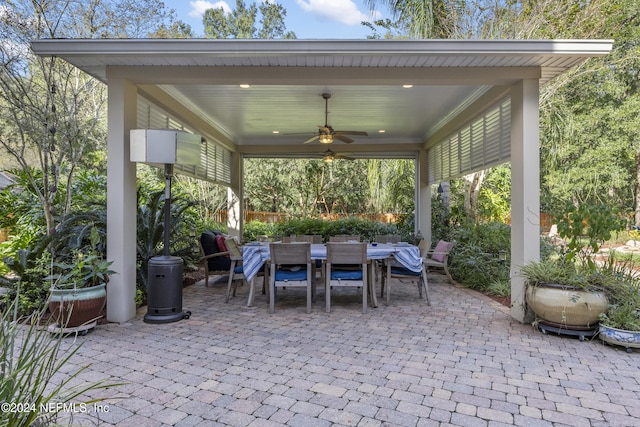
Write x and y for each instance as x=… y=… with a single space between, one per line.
x=506 y=301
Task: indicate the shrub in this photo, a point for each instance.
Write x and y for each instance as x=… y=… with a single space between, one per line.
x=256 y=228
x=26 y=284
x=476 y=258
x=352 y=226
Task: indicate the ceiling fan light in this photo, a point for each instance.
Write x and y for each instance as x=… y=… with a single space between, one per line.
x=328 y=158
x=326 y=138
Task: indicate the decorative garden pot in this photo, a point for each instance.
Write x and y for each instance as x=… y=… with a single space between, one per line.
x=566 y=306
x=627 y=339
x=77 y=307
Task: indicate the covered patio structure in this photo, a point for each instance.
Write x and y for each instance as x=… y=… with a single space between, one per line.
x=455 y=106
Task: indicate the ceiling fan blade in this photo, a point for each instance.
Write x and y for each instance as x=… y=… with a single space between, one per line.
x=313 y=138
x=338 y=156
x=352 y=132
x=343 y=138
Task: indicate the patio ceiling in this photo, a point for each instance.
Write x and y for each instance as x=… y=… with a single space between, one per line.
x=288 y=77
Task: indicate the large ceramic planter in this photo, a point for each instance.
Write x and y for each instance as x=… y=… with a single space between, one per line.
x=566 y=306
x=627 y=339
x=77 y=307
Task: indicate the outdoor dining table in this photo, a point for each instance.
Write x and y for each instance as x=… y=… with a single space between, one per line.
x=256 y=254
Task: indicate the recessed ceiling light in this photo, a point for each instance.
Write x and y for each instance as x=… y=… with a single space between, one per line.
x=381 y=131
x=407 y=86
x=245 y=86
x=275 y=131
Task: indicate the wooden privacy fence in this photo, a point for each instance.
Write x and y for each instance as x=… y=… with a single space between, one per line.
x=271 y=217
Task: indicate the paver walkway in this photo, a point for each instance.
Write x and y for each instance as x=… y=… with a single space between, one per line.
x=463 y=361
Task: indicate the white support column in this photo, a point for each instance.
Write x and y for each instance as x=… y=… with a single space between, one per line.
x=121 y=201
x=235 y=208
x=423 y=200
x=525 y=187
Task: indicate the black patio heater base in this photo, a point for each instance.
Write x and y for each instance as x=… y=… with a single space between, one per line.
x=157 y=319
x=164 y=290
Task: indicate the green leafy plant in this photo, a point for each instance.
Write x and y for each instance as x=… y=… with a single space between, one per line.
x=85 y=269
x=26 y=282
x=555 y=271
x=624 y=316
x=585 y=228
x=623 y=286
x=500 y=287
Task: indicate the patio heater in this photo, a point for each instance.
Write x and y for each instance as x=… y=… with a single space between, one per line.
x=165 y=147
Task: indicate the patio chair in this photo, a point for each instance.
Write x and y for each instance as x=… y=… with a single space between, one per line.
x=236 y=271
x=290 y=267
x=346 y=255
x=438 y=257
x=304 y=238
x=215 y=259
x=344 y=238
x=402 y=274
x=387 y=238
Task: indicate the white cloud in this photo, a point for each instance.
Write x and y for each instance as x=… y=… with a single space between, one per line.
x=199 y=6
x=343 y=11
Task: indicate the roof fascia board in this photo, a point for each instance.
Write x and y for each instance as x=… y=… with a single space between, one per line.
x=232 y=47
x=321 y=75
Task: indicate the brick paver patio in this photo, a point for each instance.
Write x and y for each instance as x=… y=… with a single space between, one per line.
x=463 y=361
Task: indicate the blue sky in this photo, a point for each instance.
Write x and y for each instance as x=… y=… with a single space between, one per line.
x=309 y=19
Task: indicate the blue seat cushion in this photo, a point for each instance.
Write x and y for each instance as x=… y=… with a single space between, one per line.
x=238 y=270
x=346 y=275
x=404 y=271
x=282 y=275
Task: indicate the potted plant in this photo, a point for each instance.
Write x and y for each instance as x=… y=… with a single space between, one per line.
x=621 y=324
x=78 y=293
x=569 y=293
x=564 y=296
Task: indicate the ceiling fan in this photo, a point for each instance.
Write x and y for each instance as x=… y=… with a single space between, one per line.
x=330 y=156
x=326 y=134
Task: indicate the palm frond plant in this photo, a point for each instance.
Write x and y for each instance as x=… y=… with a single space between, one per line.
x=150 y=231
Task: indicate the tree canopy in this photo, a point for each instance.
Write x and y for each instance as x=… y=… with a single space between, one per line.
x=53 y=115
x=240 y=23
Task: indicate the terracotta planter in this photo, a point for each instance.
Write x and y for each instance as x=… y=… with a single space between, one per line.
x=77 y=307
x=627 y=339
x=566 y=306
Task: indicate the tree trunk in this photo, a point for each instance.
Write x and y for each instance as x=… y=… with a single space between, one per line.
x=472 y=185
x=637 y=210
